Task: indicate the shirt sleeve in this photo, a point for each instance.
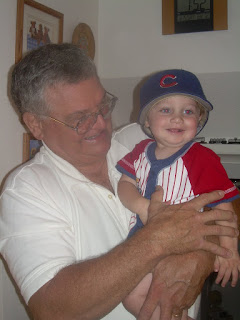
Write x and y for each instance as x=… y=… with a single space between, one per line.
x=126 y=164
x=207 y=174
x=130 y=135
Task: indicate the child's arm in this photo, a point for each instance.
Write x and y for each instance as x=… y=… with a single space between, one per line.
x=227 y=268
x=131 y=198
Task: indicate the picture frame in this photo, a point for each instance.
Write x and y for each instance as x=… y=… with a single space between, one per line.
x=84 y=39
x=219 y=17
x=30 y=146
x=36 y=25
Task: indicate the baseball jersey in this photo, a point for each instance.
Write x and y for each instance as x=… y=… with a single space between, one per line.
x=191 y=171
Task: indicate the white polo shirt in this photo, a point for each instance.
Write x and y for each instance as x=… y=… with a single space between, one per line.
x=52 y=216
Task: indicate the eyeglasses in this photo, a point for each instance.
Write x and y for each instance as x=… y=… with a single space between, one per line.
x=86 y=122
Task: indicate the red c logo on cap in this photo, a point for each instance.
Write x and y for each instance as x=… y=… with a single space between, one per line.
x=164 y=85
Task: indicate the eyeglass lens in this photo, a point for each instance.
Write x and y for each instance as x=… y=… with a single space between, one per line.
x=87 y=122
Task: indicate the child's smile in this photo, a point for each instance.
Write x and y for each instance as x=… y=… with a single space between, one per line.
x=173 y=122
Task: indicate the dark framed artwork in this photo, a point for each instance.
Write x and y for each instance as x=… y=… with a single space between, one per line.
x=185 y=16
x=36 y=25
x=30 y=146
x=193 y=16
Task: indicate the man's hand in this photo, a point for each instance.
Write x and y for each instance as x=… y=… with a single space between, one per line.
x=177 y=281
x=181 y=228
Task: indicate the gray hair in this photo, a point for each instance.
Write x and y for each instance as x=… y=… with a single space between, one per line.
x=45 y=67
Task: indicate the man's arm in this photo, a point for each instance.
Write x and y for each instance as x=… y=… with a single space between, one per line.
x=91 y=289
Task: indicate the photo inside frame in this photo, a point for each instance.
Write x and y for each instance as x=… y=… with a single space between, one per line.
x=39 y=28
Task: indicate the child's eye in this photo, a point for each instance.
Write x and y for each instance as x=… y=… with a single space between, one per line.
x=165 y=110
x=188 y=112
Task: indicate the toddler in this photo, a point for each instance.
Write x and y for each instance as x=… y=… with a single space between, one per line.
x=173 y=111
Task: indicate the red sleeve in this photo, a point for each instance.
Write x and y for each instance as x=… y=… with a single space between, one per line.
x=126 y=164
x=207 y=174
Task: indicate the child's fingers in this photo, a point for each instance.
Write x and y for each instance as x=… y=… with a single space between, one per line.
x=219 y=278
x=234 y=276
x=220 y=274
x=216 y=265
x=226 y=277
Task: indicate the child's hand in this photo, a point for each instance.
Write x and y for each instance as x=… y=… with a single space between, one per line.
x=227 y=268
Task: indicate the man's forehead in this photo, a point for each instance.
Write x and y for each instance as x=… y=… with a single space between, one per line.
x=76 y=97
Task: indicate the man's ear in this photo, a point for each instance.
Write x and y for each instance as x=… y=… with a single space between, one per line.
x=34 y=124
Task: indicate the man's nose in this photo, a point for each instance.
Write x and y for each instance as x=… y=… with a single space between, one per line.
x=100 y=122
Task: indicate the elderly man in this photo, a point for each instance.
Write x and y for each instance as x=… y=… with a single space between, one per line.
x=63 y=228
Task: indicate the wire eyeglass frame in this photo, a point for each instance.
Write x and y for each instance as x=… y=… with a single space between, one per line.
x=87 y=121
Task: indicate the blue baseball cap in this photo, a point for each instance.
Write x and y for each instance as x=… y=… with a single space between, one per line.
x=169 y=83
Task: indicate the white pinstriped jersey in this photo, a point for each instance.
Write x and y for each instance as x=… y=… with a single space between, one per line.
x=189 y=172
x=174 y=180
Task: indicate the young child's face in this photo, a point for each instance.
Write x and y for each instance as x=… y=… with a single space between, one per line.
x=173 y=121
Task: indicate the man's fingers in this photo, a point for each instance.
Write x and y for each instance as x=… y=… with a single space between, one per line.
x=205 y=199
x=165 y=311
x=216 y=249
x=188 y=227
x=150 y=304
x=217 y=230
x=219 y=215
x=147 y=310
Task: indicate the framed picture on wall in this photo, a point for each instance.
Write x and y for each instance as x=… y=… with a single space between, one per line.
x=37 y=25
x=83 y=37
x=30 y=146
x=184 y=16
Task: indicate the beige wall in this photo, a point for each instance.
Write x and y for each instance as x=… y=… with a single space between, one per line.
x=131 y=43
